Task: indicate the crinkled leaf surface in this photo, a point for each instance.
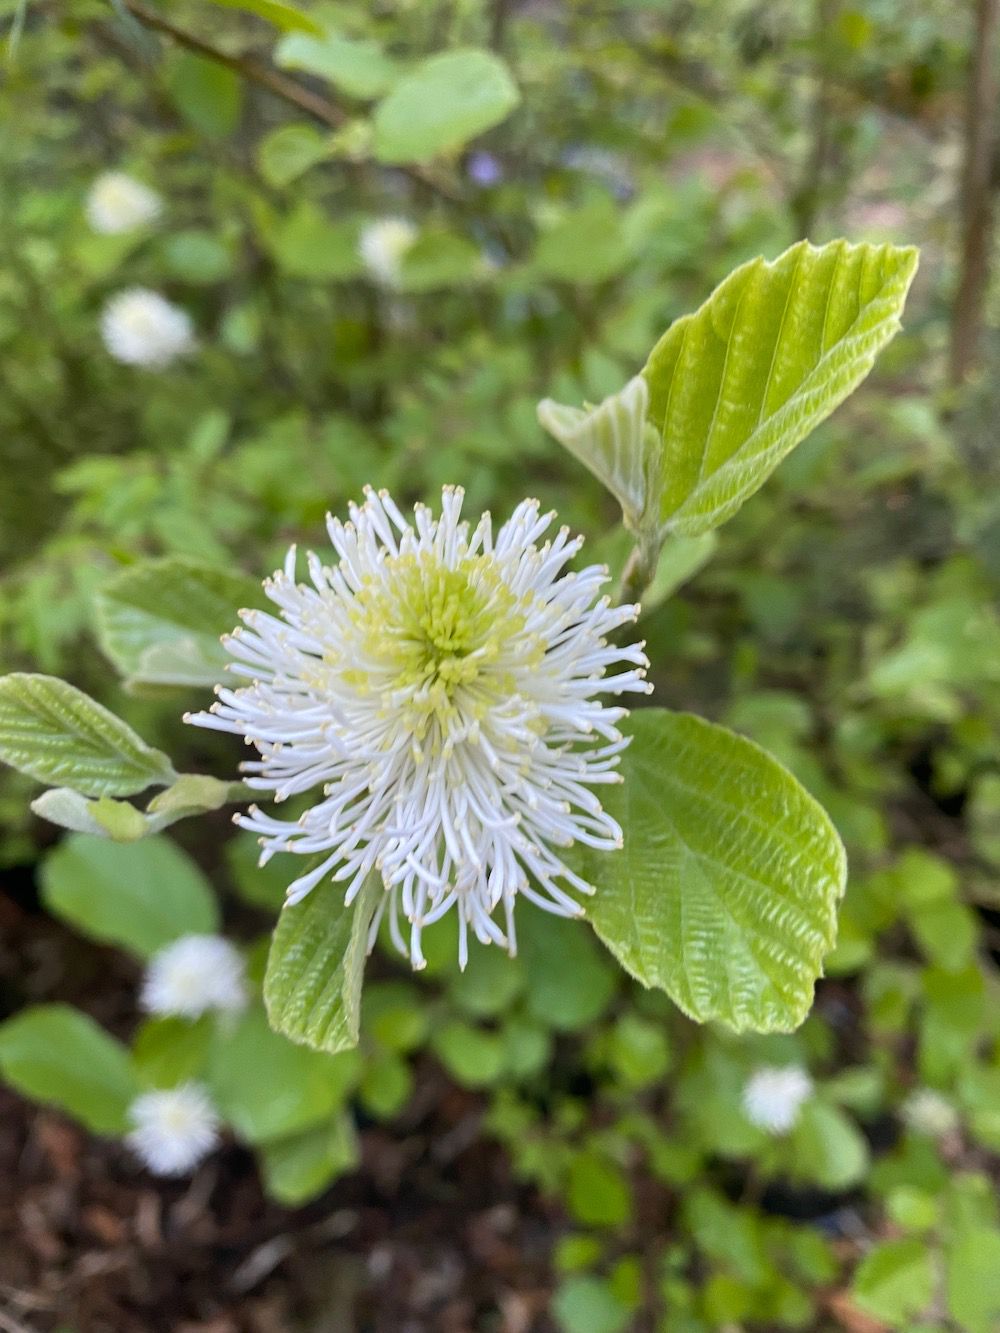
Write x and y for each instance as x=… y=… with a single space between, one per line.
x=725 y=893
x=54 y=732
x=160 y=621
x=776 y=347
x=316 y=965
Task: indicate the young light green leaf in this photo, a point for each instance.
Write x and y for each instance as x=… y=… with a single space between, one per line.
x=160 y=621
x=289 y=151
x=616 y=442
x=315 y=968
x=775 y=348
x=725 y=893
x=55 y=1054
x=278 y=12
x=446 y=101
x=895 y=1281
x=54 y=732
x=139 y=895
x=359 y=69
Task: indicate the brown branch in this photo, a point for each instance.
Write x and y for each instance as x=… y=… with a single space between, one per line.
x=977 y=192
x=255 y=71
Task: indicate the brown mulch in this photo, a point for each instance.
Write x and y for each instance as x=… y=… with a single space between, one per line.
x=430 y=1235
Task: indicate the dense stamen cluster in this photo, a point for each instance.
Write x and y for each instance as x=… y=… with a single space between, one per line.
x=443 y=685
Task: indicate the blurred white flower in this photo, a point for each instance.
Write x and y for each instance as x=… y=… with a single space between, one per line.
x=443 y=687
x=193 y=975
x=143 y=328
x=928 y=1112
x=383 y=246
x=174 y=1129
x=118 y=203
x=774 y=1095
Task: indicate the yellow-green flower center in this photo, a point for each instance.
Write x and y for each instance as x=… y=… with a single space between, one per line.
x=431 y=631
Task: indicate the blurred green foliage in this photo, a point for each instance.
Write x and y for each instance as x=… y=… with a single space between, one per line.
x=847 y=619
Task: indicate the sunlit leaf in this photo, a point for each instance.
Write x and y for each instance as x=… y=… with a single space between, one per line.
x=725 y=893
x=57 y=734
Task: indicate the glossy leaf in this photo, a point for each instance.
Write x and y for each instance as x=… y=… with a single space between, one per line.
x=316 y=965
x=725 y=893
x=139 y=895
x=442 y=104
x=160 y=621
x=776 y=347
x=59 y=735
x=57 y=1055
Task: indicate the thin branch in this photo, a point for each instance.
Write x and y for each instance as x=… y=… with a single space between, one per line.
x=280 y=85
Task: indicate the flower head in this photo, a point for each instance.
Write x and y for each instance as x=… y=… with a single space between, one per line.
x=118 y=203
x=774 y=1096
x=383 y=246
x=174 y=1129
x=193 y=975
x=443 y=685
x=928 y=1112
x=143 y=328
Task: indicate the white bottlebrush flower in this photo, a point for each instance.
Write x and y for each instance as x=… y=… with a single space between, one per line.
x=383 y=246
x=444 y=688
x=118 y=203
x=174 y=1129
x=774 y=1096
x=143 y=328
x=193 y=975
x=928 y=1112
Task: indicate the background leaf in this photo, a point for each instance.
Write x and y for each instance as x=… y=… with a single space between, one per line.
x=775 y=348
x=316 y=965
x=54 y=732
x=358 y=68
x=139 y=895
x=442 y=104
x=57 y=1055
x=725 y=893
x=161 y=620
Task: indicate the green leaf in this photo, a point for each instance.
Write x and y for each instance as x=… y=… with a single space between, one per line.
x=827 y=1148
x=974 y=1279
x=287 y=152
x=586 y=1304
x=569 y=981
x=278 y=12
x=614 y=441
x=306 y=244
x=57 y=734
x=597 y=1192
x=160 y=621
x=585 y=247
x=360 y=69
x=208 y=95
x=776 y=347
x=446 y=101
x=57 y=1055
x=316 y=965
x=140 y=895
x=267 y=1087
x=168 y=1051
x=298 y=1168
x=473 y=1056
x=725 y=893
x=895 y=1280
x=439 y=259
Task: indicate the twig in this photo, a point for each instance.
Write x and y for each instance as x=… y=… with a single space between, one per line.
x=255 y=71
x=977 y=192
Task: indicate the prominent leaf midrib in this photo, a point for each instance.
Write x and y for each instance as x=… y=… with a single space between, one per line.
x=744 y=458
x=769 y=378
